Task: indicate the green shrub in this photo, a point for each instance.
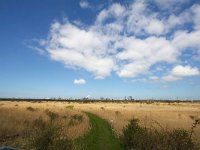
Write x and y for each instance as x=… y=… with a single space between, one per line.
x=179 y=139
x=133 y=135
x=136 y=137
x=48 y=136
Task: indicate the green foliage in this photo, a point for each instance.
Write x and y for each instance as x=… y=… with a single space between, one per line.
x=48 y=135
x=133 y=135
x=180 y=140
x=142 y=138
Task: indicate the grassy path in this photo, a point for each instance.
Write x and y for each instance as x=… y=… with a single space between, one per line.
x=100 y=137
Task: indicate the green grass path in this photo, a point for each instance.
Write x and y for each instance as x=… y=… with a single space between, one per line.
x=100 y=137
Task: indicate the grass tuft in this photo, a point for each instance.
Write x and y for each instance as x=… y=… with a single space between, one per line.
x=30 y=108
x=70 y=107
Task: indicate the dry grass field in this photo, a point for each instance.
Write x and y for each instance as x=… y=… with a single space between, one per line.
x=16 y=117
x=160 y=115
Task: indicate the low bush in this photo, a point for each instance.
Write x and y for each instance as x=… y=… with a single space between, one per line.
x=48 y=135
x=179 y=139
x=136 y=137
x=75 y=119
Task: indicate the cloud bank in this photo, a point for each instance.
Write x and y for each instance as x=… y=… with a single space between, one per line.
x=130 y=41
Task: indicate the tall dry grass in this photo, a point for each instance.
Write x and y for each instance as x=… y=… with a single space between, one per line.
x=161 y=115
x=17 y=120
x=16 y=117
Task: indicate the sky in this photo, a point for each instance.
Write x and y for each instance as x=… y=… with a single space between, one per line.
x=91 y=48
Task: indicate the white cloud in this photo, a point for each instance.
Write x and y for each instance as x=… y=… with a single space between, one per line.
x=78 y=48
x=141 y=54
x=182 y=71
x=125 y=40
x=196 y=19
x=155 y=27
x=184 y=39
x=179 y=71
x=84 y=4
x=170 y=78
x=79 y=81
x=115 y=10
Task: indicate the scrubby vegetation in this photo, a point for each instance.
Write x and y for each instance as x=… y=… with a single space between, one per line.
x=30 y=108
x=48 y=135
x=136 y=137
x=75 y=119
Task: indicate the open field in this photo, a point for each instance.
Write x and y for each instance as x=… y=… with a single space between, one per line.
x=17 y=117
x=168 y=115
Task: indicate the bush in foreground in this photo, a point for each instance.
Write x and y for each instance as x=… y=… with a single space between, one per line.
x=136 y=137
x=48 y=135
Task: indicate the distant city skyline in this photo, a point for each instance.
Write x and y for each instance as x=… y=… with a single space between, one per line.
x=89 y=48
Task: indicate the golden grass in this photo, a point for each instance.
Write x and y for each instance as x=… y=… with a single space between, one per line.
x=169 y=116
x=15 y=115
x=16 y=119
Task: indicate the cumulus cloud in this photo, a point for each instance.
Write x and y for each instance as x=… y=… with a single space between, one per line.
x=79 y=81
x=183 y=71
x=179 y=71
x=79 y=48
x=127 y=40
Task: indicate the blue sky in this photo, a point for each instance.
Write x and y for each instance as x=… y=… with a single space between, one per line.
x=79 y=48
